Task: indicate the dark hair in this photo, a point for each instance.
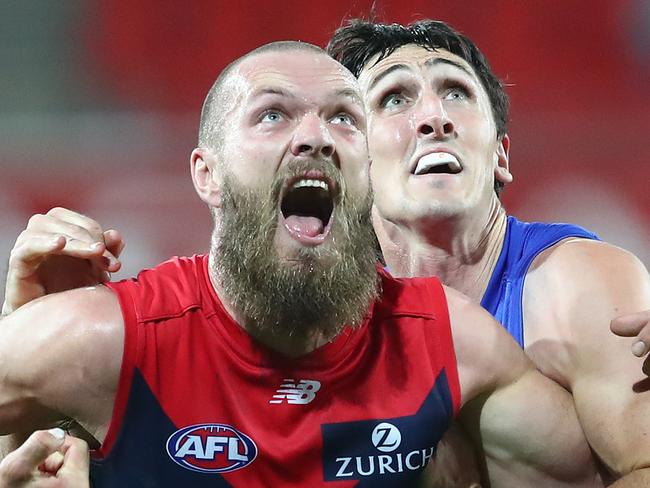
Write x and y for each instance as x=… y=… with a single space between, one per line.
x=356 y=43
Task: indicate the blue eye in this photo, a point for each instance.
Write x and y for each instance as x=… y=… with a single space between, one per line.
x=342 y=118
x=456 y=93
x=393 y=100
x=271 y=116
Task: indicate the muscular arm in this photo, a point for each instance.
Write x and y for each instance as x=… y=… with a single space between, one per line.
x=60 y=358
x=589 y=284
x=525 y=423
x=57 y=251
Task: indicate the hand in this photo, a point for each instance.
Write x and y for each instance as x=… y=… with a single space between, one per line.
x=58 y=251
x=47 y=459
x=635 y=325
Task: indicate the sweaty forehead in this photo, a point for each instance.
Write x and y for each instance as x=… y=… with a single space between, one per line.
x=302 y=73
x=415 y=58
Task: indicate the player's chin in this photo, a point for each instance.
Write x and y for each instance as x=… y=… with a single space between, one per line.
x=309 y=254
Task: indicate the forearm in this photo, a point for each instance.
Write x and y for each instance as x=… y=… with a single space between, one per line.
x=534 y=441
x=639 y=477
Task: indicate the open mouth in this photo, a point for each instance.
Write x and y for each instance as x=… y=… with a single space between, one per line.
x=437 y=163
x=307 y=206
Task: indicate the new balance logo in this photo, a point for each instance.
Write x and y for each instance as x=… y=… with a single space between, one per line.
x=300 y=393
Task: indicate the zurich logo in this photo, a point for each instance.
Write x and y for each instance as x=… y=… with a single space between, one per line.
x=211 y=448
x=386 y=437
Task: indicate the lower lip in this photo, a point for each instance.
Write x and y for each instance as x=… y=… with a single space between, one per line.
x=434 y=175
x=305 y=239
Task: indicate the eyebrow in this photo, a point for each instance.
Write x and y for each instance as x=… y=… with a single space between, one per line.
x=429 y=63
x=386 y=72
x=435 y=61
x=349 y=93
x=272 y=90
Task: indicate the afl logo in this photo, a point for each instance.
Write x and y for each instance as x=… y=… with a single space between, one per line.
x=211 y=448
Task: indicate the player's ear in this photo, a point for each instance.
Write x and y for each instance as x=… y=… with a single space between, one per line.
x=502 y=159
x=205 y=176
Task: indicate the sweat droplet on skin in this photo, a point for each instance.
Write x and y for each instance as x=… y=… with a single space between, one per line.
x=639 y=348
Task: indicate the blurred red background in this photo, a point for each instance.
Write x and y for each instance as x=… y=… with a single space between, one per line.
x=100 y=104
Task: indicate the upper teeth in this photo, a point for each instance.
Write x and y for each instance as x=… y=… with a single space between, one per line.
x=314 y=183
x=436 y=159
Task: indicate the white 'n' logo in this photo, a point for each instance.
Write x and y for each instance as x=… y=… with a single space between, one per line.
x=296 y=393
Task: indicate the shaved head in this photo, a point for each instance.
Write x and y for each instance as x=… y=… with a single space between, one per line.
x=221 y=96
x=295 y=262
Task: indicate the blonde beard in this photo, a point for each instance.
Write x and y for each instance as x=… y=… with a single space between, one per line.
x=333 y=288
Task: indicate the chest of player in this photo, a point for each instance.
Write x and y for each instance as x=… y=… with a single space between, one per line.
x=201 y=411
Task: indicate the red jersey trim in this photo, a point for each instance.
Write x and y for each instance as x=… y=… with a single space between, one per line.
x=129 y=360
x=439 y=298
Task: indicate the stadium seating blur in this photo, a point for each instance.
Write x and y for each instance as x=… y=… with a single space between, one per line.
x=99 y=105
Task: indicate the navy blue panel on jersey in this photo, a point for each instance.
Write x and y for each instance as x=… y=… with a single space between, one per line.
x=141 y=455
x=388 y=452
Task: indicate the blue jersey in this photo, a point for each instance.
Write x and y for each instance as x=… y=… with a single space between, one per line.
x=523 y=242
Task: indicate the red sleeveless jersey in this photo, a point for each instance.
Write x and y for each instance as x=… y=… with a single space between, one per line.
x=200 y=403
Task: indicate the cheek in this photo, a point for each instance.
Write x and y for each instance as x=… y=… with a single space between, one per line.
x=356 y=181
x=388 y=137
x=357 y=173
x=352 y=151
x=380 y=181
x=253 y=163
x=352 y=148
x=476 y=128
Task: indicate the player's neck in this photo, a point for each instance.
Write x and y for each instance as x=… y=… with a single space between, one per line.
x=461 y=252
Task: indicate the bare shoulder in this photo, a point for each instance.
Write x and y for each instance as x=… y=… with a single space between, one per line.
x=64 y=351
x=591 y=258
x=487 y=356
x=82 y=318
x=579 y=278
